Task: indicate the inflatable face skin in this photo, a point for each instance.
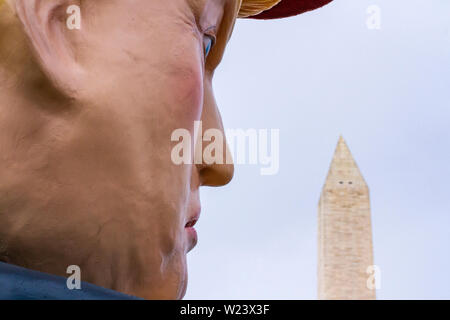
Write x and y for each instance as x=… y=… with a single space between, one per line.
x=86 y=118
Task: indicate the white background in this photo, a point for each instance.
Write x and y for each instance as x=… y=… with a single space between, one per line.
x=314 y=77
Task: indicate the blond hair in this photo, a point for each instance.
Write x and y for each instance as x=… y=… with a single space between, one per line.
x=254 y=7
x=2 y=2
x=248 y=7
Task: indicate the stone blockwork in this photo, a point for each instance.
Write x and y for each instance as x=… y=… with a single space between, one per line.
x=345 y=232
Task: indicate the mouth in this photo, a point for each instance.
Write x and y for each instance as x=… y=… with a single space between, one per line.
x=191 y=223
x=191 y=232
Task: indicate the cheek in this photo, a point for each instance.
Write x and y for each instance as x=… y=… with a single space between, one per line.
x=187 y=89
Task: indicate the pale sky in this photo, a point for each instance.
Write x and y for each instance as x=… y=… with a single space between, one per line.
x=314 y=77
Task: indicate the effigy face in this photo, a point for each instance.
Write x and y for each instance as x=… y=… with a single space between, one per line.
x=86 y=118
x=105 y=106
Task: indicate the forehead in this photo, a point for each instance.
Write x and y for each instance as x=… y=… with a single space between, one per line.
x=201 y=5
x=212 y=7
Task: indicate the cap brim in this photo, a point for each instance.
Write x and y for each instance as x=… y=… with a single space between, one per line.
x=288 y=8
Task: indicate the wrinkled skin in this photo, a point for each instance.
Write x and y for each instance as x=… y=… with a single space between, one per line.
x=86 y=118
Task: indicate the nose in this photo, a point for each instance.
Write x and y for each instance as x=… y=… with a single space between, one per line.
x=215 y=174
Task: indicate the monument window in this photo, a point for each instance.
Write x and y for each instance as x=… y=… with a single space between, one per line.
x=350 y=182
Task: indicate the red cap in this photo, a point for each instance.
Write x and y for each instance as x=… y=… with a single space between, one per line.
x=288 y=8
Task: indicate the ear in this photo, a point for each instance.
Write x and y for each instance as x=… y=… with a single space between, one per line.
x=52 y=43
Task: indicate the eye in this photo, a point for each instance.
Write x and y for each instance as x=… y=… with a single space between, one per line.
x=208 y=43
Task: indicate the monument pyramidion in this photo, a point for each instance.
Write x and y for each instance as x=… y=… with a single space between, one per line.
x=345 y=257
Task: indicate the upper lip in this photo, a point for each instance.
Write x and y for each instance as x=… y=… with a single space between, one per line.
x=191 y=223
x=193 y=220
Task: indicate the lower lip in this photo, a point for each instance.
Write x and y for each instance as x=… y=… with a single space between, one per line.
x=192 y=234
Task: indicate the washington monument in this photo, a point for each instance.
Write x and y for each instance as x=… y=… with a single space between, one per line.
x=345 y=232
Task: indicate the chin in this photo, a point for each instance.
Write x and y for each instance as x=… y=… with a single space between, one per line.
x=170 y=284
x=182 y=287
x=182 y=280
